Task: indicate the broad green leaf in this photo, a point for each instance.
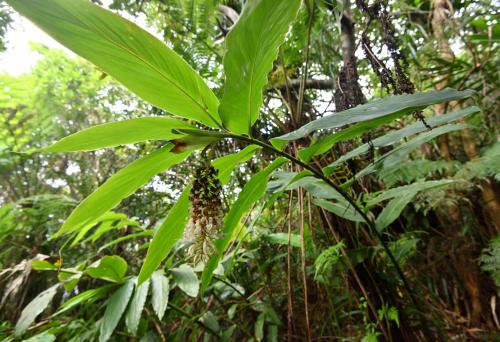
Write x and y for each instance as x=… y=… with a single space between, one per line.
x=42 y=337
x=295 y=239
x=393 y=209
x=418 y=127
x=121 y=185
x=126 y=52
x=398 y=154
x=42 y=265
x=344 y=210
x=371 y=337
x=226 y=164
x=259 y=326
x=271 y=315
x=317 y=188
x=252 y=46
x=251 y=193
x=186 y=279
x=35 y=308
x=226 y=336
x=378 y=112
x=325 y=144
x=400 y=197
x=160 y=292
x=415 y=169
x=393 y=137
x=272 y=334
x=110 y=268
x=114 y=310
x=88 y=296
x=231 y=312
x=358 y=255
x=417 y=186
x=136 y=306
x=210 y=321
x=69 y=279
x=167 y=235
x=282 y=239
x=282 y=179
x=119 y=133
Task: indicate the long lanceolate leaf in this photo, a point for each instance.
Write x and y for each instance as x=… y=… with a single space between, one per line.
x=252 y=46
x=114 y=309
x=119 y=133
x=225 y=165
x=398 y=154
x=35 y=308
x=393 y=210
x=322 y=191
x=340 y=209
x=160 y=290
x=167 y=235
x=317 y=187
x=121 y=185
x=186 y=279
x=251 y=193
x=88 y=296
x=395 y=136
x=378 y=112
x=128 y=53
x=415 y=187
x=136 y=306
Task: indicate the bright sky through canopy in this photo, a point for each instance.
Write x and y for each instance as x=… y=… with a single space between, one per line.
x=19 y=58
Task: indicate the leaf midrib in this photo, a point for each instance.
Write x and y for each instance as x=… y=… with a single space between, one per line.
x=154 y=68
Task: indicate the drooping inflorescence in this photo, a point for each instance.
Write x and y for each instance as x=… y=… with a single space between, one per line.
x=207 y=215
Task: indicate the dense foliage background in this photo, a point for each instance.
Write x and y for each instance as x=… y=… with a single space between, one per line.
x=294 y=270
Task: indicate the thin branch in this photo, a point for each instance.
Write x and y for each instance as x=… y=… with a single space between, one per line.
x=309 y=83
x=306 y=63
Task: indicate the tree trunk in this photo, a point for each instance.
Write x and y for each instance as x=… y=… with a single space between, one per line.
x=348 y=92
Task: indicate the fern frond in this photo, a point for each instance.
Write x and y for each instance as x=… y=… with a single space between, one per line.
x=489 y=260
x=488 y=165
x=327 y=260
x=466 y=177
